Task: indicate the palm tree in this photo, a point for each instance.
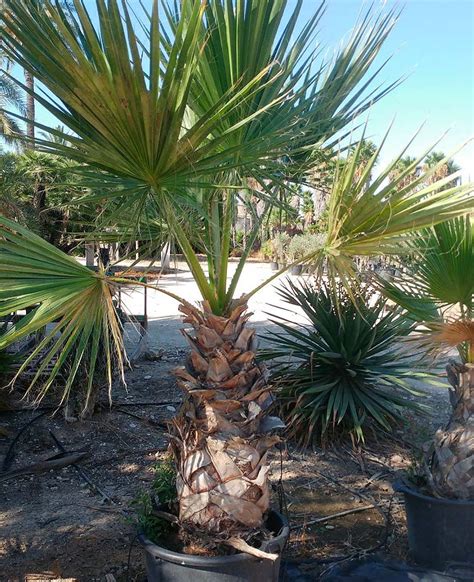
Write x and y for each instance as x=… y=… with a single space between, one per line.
x=36 y=189
x=29 y=110
x=400 y=167
x=437 y=288
x=226 y=100
x=446 y=166
x=10 y=97
x=367 y=151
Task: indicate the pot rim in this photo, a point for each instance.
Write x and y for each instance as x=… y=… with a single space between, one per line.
x=402 y=487
x=206 y=561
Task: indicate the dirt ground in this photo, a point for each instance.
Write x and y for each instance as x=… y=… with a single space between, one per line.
x=55 y=526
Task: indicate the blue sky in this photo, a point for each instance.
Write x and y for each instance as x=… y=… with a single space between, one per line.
x=433 y=43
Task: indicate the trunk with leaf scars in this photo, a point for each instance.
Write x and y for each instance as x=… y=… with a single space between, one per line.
x=220 y=438
x=30 y=109
x=453 y=462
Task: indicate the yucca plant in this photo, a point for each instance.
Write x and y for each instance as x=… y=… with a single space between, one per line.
x=218 y=98
x=436 y=288
x=342 y=369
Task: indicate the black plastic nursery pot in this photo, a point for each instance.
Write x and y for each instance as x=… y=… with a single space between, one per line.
x=296 y=270
x=163 y=565
x=440 y=531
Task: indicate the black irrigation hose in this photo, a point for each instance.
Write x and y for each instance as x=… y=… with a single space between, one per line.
x=130 y=548
x=100 y=405
x=169 y=403
x=159 y=424
x=81 y=471
x=28 y=409
x=10 y=454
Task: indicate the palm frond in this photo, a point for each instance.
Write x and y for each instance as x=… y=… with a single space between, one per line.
x=247 y=37
x=373 y=217
x=436 y=285
x=74 y=306
x=439 y=271
x=126 y=121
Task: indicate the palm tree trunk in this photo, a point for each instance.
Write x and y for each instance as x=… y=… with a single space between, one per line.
x=219 y=438
x=453 y=460
x=30 y=109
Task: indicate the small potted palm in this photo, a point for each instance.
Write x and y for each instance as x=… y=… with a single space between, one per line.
x=437 y=288
x=280 y=243
x=268 y=252
x=297 y=249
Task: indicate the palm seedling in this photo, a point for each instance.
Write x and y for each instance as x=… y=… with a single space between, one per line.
x=218 y=99
x=436 y=288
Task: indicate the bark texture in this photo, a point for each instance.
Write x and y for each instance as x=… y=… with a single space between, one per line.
x=221 y=436
x=453 y=460
x=30 y=109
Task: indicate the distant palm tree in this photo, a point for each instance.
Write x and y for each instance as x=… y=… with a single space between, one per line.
x=366 y=150
x=406 y=164
x=30 y=107
x=446 y=169
x=30 y=110
x=10 y=97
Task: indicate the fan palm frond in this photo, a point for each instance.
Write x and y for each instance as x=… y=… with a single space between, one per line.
x=73 y=303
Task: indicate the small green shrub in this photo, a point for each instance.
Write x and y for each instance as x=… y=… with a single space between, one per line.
x=239 y=238
x=280 y=243
x=267 y=249
x=346 y=369
x=163 y=492
x=297 y=248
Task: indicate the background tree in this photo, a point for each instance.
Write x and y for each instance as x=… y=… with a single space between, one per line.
x=367 y=149
x=10 y=97
x=446 y=166
x=35 y=188
x=403 y=164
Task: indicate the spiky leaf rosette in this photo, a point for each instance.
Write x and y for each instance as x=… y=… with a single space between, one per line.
x=220 y=438
x=341 y=369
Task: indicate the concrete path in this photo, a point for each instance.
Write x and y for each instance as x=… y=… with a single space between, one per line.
x=165 y=319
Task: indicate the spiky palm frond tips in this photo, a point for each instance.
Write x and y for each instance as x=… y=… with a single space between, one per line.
x=68 y=303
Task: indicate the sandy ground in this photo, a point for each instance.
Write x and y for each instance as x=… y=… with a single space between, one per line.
x=164 y=316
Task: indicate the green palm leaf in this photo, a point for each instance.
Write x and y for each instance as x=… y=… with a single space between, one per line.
x=372 y=217
x=73 y=303
x=439 y=271
x=436 y=282
x=247 y=37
